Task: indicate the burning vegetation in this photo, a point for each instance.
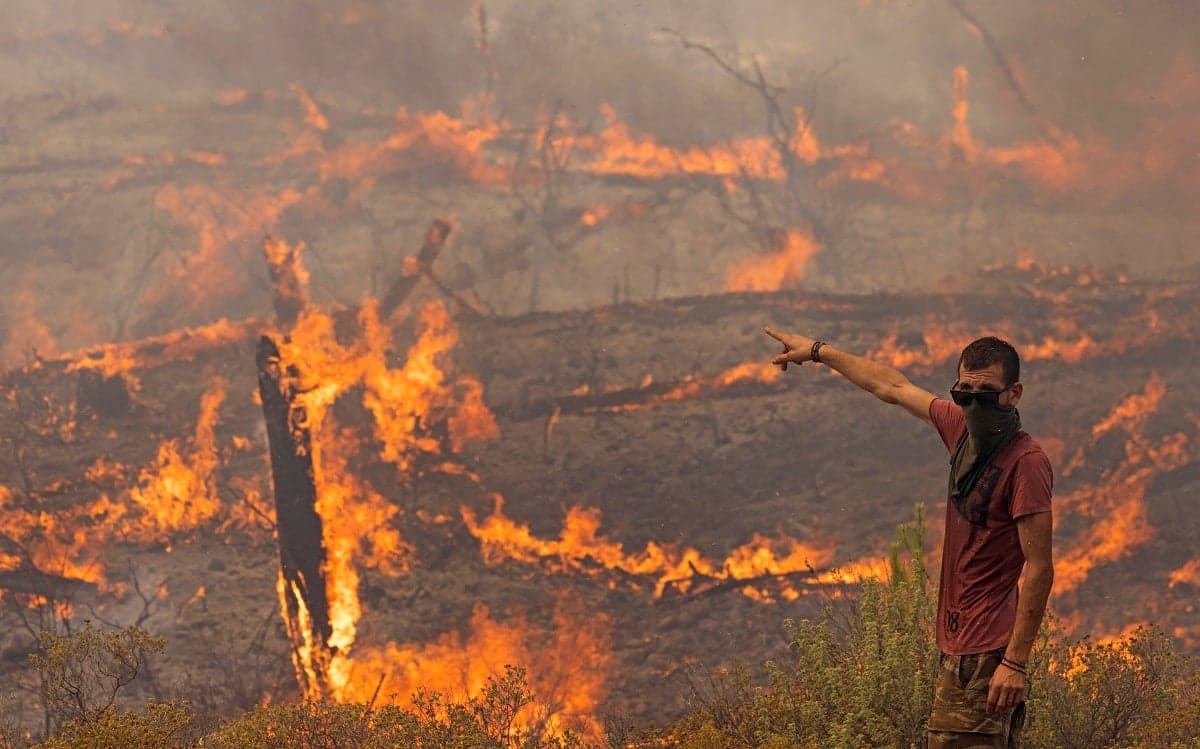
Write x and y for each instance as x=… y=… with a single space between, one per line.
x=549 y=439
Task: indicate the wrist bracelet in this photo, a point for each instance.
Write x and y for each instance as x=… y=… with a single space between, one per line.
x=815 y=352
x=1013 y=666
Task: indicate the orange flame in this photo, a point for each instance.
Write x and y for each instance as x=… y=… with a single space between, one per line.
x=64 y=541
x=405 y=401
x=698 y=386
x=1118 y=498
x=1188 y=574
x=223 y=222
x=113 y=359
x=409 y=405
x=313 y=116
x=178 y=491
x=567 y=668
x=781 y=269
x=580 y=548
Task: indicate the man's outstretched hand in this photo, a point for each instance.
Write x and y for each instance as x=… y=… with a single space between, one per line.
x=797 y=349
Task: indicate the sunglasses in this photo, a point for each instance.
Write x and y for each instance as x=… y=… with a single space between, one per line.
x=985 y=397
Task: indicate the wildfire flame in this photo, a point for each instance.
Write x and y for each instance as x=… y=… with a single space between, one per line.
x=580 y=548
x=411 y=407
x=178 y=490
x=783 y=268
x=1117 y=499
x=567 y=667
x=1188 y=574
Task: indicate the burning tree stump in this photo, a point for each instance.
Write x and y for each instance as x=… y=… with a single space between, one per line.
x=298 y=526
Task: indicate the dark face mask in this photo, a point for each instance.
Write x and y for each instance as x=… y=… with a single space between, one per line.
x=989 y=428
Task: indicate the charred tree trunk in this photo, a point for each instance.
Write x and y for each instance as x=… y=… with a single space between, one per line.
x=298 y=526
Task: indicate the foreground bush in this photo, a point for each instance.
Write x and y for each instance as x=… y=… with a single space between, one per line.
x=1138 y=692
x=490 y=721
x=859 y=675
x=157 y=726
x=863 y=676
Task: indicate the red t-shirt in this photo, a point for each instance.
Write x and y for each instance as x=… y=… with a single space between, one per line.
x=981 y=554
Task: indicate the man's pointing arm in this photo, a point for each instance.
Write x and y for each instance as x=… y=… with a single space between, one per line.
x=885 y=383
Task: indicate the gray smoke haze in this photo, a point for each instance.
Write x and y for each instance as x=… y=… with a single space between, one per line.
x=89 y=85
x=1090 y=66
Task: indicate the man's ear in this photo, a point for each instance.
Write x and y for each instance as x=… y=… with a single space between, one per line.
x=1014 y=393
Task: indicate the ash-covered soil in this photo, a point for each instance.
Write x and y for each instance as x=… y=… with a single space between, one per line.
x=807 y=456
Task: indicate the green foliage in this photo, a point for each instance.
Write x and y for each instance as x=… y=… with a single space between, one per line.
x=862 y=677
x=1136 y=692
x=83 y=673
x=485 y=722
x=158 y=726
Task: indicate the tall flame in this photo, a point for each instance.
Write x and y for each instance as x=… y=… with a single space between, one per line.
x=178 y=490
x=567 y=667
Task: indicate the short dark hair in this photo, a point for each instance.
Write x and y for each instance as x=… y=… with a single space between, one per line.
x=984 y=352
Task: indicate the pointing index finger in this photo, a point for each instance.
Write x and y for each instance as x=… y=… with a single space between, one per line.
x=773 y=333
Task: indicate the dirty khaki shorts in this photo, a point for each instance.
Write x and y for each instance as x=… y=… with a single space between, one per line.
x=960 y=719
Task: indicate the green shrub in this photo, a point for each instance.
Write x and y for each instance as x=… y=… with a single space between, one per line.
x=1136 y=692
x=82 y=674
x=861 y=676
x=158 y=726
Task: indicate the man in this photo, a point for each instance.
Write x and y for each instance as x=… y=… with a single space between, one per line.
x=997 y=521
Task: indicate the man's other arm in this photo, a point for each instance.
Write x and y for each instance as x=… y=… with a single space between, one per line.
x=1036 y=535
x=885 y=383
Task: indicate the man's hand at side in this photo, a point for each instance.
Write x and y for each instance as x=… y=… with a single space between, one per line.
x=1006 y=690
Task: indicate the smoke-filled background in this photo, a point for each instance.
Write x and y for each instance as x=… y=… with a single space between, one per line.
x=576 y=374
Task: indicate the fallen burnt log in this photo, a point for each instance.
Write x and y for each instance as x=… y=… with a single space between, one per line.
x=435 y=240
x=29 y=580
x=298 y=526
x=703 y=586
x=634 y=398
x=51 y=587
